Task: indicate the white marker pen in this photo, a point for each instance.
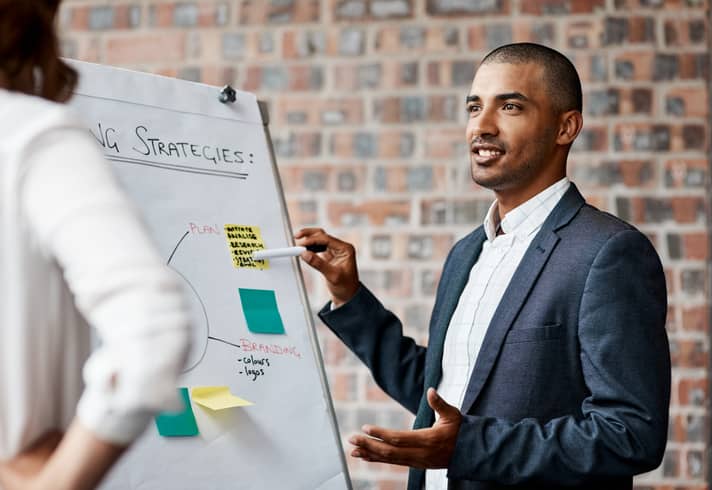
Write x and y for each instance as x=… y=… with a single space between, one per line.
x=274 y=253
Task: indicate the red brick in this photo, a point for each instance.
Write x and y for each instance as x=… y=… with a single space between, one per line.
x=688 y=354
x=639 y=29
x=146 y=48
x=374 y=393
x=696 y=319
x=434 y=9
x=121 y=17
x=527 y=31
x=207 y=13
x=670 y=281
x=397 y=178
x=477 y=37
x=388 y=40
x=670 y=5
x=597 y=200
x=219 y=75
x=641 y=61
x=539 y=7
x=260 y=12
x=344 y=387
x=163 y=14
x=373 y=212
x=685 y=32
x=89 y=49
x=688 y=209
x=681 y=173
x=696 y=246
x=392 y=75
x=693 y=391
x=694 y=100
x=300 y=77
x=302 y=213
x=671 y=320
x=445 y=143
x=584 y=34
x=80 y=18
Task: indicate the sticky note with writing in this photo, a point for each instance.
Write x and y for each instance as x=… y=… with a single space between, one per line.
x=178 y=424
x=243 y=240
x=217 y=398
x=260 y=309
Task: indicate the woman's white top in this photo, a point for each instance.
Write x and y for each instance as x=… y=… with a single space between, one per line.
x=72 y=254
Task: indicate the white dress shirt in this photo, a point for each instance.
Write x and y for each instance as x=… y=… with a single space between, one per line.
x=489 y=278
x=73 y=254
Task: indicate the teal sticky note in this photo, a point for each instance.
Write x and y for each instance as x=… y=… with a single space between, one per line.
x=178 y=424
x=260 y=309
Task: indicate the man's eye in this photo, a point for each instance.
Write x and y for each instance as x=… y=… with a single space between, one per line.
x=473 y=108
x=510 y=107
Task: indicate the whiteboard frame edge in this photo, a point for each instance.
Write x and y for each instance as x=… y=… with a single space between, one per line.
x=316 y=348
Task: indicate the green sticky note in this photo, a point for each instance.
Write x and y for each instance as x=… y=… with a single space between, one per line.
x=260 y=309
x=178 y=424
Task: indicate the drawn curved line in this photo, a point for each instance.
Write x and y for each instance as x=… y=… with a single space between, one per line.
x=207 y=324
x=176 y=247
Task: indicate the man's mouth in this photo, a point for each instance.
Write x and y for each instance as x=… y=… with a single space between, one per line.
x=483 y=155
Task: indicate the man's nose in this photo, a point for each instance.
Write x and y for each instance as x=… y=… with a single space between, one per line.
x=484 y=124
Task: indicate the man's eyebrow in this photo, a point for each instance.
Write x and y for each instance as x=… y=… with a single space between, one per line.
x=512 y=95
x=505 y=96
x=472 y=98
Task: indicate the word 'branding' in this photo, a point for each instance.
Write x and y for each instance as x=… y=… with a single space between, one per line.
x=249 y=346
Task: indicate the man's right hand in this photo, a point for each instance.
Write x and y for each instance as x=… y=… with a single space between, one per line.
x=337 y=264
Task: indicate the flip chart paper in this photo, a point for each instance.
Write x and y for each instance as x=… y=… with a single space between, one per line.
x=178 y=424
x=261 y=312
x=191 y=165
x=217 y=398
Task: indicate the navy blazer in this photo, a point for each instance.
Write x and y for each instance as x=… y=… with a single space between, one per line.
x=572 y=383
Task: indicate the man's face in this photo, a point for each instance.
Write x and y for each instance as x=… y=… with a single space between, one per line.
x=512 y=127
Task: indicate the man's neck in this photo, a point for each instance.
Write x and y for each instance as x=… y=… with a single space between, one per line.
x=508 y=200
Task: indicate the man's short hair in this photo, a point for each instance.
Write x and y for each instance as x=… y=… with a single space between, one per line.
x=562 y=80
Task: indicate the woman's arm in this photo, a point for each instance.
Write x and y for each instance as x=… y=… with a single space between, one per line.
x=77 y=461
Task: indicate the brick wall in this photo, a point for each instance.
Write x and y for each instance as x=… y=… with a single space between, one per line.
x=366 y=98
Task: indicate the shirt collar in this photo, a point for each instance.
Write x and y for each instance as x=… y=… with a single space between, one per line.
x=528 y=217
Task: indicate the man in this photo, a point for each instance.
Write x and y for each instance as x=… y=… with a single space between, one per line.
x=548 y=330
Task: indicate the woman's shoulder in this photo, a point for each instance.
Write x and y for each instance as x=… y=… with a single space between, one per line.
x=24 y=117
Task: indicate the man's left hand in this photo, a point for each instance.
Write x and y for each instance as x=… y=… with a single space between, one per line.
x=422 y=448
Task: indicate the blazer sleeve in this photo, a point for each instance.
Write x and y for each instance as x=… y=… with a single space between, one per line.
x=375 y=335
x=626 y=366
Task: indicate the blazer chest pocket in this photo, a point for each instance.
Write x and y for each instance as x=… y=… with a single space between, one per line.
x=533 y=334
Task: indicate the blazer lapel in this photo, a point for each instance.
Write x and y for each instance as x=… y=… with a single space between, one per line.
x=456 y=276
x=518 y=290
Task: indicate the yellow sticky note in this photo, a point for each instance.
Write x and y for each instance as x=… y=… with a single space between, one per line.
x=217 y=398
x=242 y=241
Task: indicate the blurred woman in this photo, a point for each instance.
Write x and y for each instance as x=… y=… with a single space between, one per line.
x=72 y=254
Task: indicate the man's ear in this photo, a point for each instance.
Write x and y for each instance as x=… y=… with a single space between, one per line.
x=569 y=127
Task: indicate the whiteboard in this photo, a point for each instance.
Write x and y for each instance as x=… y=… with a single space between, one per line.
x=193 y=165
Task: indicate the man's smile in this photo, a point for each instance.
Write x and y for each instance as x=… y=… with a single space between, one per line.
x=484 y=154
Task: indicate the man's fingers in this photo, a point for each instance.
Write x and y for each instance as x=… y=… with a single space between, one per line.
x=317 y=262
x=375 y=450
x=397 y=438
x=443 y=409
x=313 y=236
x=308 y=232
